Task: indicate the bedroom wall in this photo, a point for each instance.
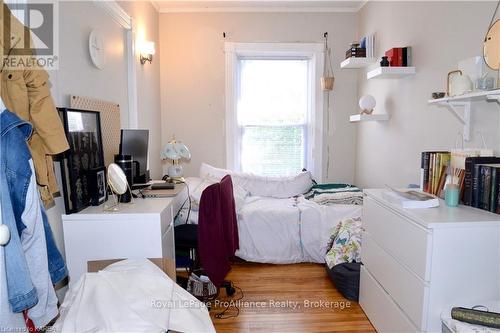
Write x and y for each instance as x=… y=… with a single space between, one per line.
x=146 y=20
x=77 y=75
x=192 y=77
x=441 y=34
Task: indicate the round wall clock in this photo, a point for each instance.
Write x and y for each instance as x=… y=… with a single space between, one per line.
x=96 y=49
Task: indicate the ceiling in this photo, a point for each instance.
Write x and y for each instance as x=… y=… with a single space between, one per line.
x=173 y=6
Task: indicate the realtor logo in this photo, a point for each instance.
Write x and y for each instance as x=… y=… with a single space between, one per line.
x=36 y=46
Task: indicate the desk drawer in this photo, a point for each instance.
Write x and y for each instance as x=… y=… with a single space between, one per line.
x=167 y=219
x=403 y=239
x=383 y=313
x=407 y=290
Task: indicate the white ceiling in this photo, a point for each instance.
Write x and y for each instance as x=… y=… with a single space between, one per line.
x=173 y=6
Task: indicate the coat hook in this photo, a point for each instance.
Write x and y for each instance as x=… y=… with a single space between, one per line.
x=223 y=34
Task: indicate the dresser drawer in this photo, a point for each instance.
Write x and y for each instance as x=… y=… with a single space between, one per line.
x=403 y=239
x=407 y=290
x=384 y=314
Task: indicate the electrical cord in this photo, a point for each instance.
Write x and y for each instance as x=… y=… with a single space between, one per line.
x=224 y=313
x=189 y=200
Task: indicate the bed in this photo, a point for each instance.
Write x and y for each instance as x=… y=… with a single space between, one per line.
x=275 y=226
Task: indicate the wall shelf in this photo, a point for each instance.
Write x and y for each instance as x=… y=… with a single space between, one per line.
x=390 y=72
x=369 y=117
x=473 y=96
x=354 y=62
x=460 y=106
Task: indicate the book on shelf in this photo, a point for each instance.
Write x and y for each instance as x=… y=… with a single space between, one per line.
x=434 y=167
x=470 y=173
x=485 y=187
x=399 y=56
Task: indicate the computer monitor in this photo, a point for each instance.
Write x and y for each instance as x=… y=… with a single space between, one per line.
x=135 y=142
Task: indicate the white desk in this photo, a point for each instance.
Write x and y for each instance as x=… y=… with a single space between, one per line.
x=144 y=229
x=417 y=262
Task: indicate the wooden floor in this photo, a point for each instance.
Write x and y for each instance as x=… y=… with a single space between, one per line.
x=287 y=298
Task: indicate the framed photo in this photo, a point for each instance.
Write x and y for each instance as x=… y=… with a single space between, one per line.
x=85 y=157
x=97 y=186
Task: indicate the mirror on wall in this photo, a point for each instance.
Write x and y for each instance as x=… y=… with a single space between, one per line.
x=491 y=49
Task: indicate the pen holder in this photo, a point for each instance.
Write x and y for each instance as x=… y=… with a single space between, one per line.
x=451 y=194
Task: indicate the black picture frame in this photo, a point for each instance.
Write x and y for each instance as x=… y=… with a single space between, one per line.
x=83 y=131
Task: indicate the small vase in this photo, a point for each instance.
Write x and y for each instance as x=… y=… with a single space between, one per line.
x=384 y=62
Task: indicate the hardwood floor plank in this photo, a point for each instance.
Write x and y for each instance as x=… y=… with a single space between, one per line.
x=287 y=298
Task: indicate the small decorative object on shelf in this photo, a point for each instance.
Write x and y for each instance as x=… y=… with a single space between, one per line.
x=458 y=83
x=437 y=95
x=384 y=62
x=485 y=83
x=367 y=104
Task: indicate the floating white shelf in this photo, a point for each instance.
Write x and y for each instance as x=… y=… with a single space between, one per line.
x=369 y=117
x=354 y=62
x=475 y=95
x=464 y=102
x=390 y=72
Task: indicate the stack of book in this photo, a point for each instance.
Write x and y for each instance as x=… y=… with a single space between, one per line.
x=365 y=48
x=355 y=51
x=399 y=56
x=435 y=170
x=482 y=182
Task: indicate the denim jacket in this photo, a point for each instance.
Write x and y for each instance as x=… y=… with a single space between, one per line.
x=38 y=251
x=14 y=132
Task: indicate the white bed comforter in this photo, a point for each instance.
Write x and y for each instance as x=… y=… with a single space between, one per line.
x=284 y=231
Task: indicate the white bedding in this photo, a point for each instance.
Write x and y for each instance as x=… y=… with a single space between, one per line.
x=284 y=231
x=281 y=231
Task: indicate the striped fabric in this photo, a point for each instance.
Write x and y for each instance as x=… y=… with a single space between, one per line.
x=330 y=194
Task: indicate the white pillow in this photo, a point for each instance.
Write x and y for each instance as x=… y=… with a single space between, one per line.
x=207 y=170
x=197 y=186
x=195 y=194
x=275 y=187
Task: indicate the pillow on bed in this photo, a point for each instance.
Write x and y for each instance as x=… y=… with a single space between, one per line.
x=207 y=170
x=195 y=192
x=275 y=187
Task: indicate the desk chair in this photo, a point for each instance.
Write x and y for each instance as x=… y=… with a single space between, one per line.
x=214 y=240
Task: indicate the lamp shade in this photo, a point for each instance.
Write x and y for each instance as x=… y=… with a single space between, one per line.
x=367 y=102
x=182 y=150
x=148 y=47
x=175 y=150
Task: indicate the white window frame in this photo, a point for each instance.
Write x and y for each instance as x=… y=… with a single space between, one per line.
x=314 y=52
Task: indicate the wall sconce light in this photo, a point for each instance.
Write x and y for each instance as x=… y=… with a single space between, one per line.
x=147 y=50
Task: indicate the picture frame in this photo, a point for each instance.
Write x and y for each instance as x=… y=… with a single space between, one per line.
x=97 y=188
x=85 y=156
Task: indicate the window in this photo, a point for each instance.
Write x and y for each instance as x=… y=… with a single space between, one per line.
x=274 y=108
x=272 y=111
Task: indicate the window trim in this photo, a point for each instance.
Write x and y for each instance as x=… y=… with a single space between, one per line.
x=311 y=51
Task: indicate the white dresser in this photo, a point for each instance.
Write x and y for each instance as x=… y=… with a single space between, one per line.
x=144 y=229
x=419 y=261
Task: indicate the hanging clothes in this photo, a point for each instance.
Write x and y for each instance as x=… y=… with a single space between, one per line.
x=26 y=92
x=29 y=284
x=8 y=319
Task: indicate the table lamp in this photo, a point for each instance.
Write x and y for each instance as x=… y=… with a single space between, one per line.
x=175 y=151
